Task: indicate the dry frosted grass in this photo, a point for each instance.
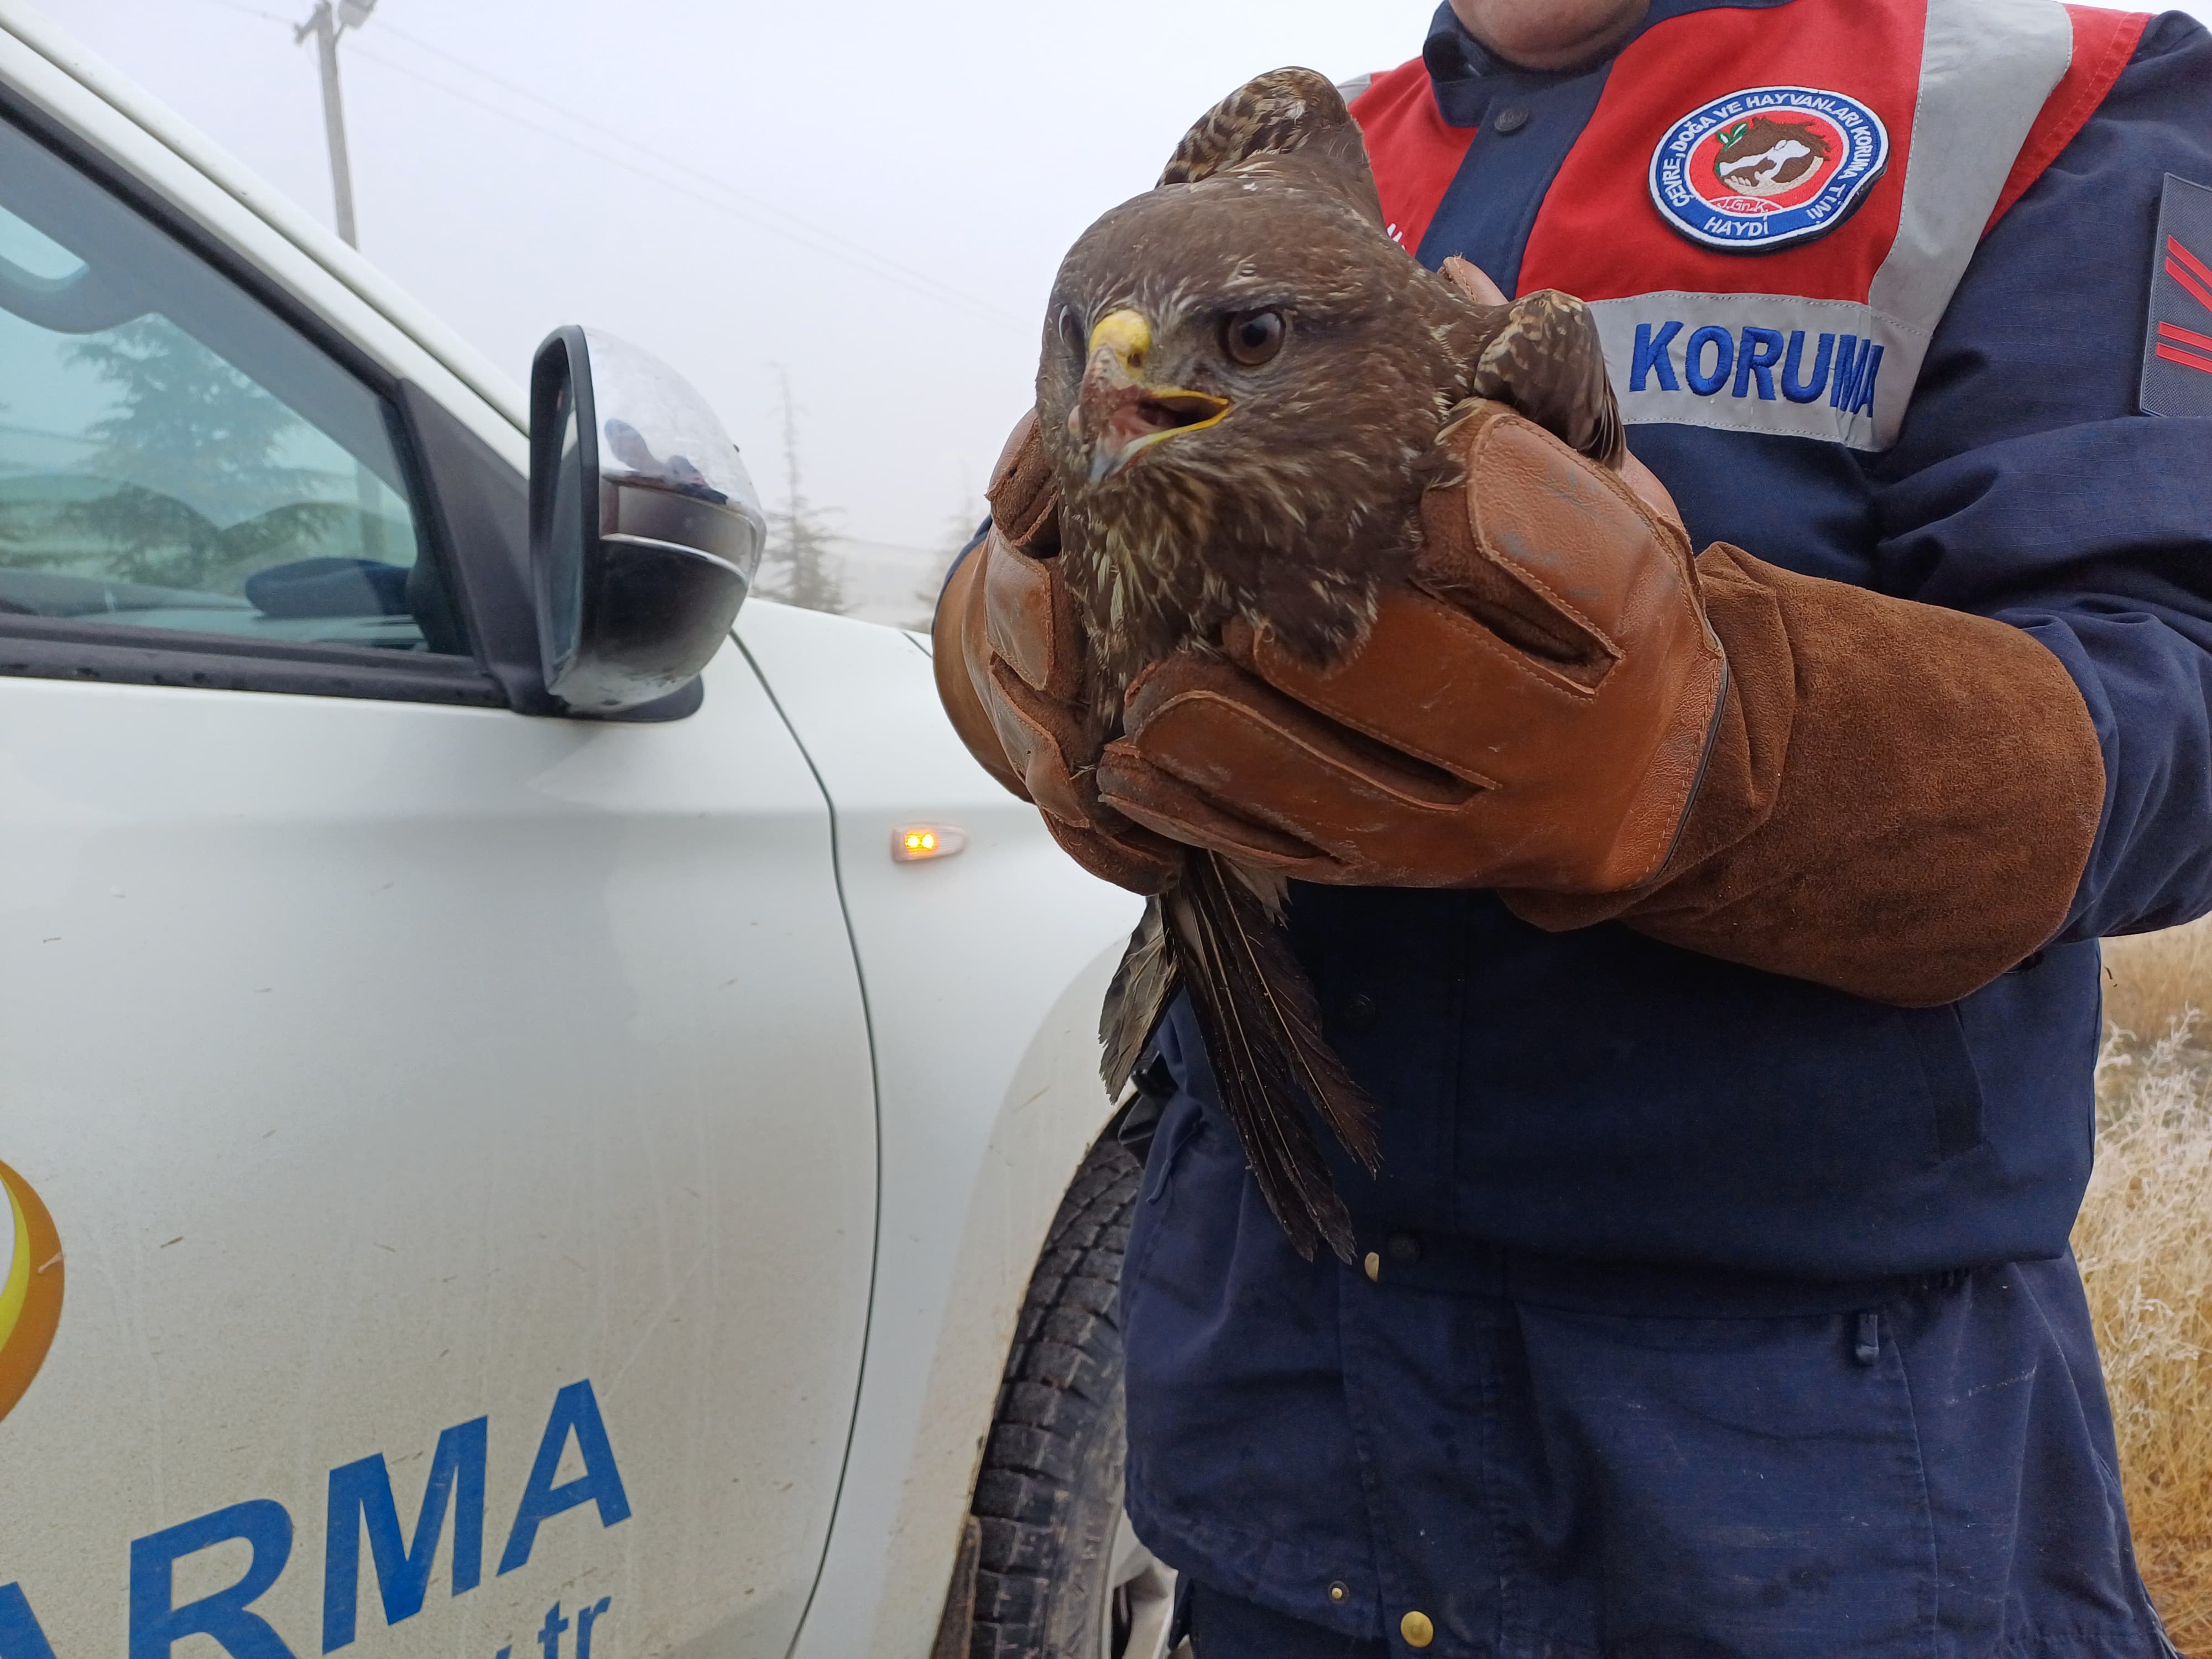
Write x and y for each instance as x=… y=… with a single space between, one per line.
x=2153 y=978
x=2145 y=1243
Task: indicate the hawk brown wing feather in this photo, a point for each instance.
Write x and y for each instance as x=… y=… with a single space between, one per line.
x=1285 y=111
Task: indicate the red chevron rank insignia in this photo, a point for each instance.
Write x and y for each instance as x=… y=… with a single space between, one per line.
x=2177 y=367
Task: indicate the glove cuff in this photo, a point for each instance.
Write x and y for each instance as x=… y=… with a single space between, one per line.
x=1899 y=800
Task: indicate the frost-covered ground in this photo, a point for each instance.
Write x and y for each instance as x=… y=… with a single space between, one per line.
x=2145 y=1244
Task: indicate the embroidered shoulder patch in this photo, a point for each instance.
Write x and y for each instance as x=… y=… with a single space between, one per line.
x=2176 y=365
x=1767 y=167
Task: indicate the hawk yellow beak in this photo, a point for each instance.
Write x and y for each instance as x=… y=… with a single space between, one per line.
x=1124 y=333
x=1119 y=414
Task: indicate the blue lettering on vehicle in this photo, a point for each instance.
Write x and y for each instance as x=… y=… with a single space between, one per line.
x=360 y=1500
x=550 y=1632
x=585 y=1618
x=157 y=1622
x=574 y=1412
x=1756 y=363
x=361 y=1503
x=21 y=1637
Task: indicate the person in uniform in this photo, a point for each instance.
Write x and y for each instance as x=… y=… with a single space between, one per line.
x=1714 y=1296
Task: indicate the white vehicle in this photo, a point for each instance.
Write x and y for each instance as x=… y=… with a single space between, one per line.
x=498 y=1159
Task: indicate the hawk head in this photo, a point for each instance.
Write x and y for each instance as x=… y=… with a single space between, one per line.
x=1243 y=376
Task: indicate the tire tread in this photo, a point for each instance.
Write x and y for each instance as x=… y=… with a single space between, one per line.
x=1064 y=1371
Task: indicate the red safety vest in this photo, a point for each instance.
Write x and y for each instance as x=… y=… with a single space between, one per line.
x=1770 y=209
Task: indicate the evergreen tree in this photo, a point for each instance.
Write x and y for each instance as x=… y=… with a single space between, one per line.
x=208 y=503
x=959 y=530
x=799 y=565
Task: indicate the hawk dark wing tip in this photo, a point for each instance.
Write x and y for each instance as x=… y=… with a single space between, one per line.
x=1548 y=362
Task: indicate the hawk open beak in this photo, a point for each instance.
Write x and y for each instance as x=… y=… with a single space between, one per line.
x=1118 y=414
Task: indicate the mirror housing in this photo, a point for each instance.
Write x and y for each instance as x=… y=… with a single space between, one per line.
x=645 y=532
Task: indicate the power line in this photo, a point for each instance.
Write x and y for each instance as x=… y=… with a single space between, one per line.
x=724 y=197
x=810 y=237
x=857 y=250
x=253 y=11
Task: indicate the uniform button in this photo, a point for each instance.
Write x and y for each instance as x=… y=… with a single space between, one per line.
x=1358 y=1011
x=1374 y=1265
x=1339 y=1591
x=1405 y=1248
x=1417 y=1630
x=1511 y=119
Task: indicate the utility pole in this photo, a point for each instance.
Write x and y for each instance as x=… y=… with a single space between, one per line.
x=326 y=26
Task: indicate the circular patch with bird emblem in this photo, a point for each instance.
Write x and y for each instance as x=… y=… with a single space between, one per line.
x=1768 y=168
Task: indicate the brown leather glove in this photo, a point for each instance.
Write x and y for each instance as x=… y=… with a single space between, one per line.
x=1010 y=662
x=1897 y=799
x=1535 y=713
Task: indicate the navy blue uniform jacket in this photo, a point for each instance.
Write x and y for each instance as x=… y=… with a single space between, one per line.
x=1713 y=1311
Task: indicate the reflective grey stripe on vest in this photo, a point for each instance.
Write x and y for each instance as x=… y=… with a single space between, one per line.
x=1805 y=368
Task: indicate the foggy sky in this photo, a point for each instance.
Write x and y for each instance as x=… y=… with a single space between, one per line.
x=871 y=196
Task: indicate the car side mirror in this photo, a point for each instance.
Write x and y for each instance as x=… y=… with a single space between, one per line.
x=645 y=533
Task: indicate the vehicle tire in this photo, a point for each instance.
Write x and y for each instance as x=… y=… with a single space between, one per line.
x=1060 y=1573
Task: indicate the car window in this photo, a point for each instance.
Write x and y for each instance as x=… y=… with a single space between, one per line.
x=173 y=455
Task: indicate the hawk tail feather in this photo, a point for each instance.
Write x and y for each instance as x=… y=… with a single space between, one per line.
x=1262 y=1023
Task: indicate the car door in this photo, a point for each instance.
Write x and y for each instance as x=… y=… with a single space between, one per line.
x=444 y=1130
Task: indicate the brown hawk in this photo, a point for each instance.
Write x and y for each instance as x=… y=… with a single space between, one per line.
x=1243 y=385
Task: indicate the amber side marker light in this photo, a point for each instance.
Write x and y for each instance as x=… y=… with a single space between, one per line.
x=915 y=843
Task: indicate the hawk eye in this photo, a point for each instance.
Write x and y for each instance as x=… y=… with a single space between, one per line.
x=1253 y=337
